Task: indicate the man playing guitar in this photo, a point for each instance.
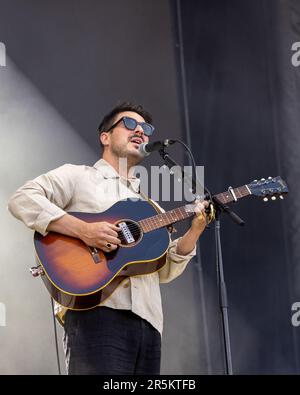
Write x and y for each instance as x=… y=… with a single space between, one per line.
x=122 y=335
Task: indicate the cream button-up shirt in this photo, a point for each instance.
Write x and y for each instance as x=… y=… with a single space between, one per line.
x=95 y=189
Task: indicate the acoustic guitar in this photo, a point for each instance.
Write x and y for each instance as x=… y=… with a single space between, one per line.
x=80 y=277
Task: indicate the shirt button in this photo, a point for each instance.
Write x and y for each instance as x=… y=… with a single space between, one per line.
x=126 y=285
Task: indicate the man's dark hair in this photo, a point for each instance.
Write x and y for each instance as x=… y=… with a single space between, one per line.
x=109 y=118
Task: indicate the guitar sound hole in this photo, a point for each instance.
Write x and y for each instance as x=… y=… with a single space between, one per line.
x=130 y=233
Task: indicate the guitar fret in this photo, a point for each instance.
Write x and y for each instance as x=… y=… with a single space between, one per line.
x=243 y=191
x=185 y=214
x=152 y=224
x=246 y=191
x=238 y=192
x=226 y=197
x=165 y=218
x=180 y=214
x=144 y=225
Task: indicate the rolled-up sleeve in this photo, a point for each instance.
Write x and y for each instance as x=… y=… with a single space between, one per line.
x=175 y=263
x=42 y=200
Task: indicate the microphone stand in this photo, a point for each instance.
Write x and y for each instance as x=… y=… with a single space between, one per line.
x=219 y=208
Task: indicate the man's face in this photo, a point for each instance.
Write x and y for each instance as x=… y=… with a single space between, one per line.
x=122 y=142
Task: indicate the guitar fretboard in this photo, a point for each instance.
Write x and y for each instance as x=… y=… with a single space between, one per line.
x=184 y=212
x=164 y=219
x=239 y=192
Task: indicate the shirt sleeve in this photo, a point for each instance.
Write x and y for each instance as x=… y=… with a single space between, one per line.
x=42 y=200
x=175 y=263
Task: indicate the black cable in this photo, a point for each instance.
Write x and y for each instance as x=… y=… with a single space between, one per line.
x=194 y=167
x=190 y=154
x=55 y=336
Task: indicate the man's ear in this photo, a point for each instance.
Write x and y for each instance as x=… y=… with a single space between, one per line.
x=104 y=138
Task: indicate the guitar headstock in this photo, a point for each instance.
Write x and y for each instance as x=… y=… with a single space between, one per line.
x=269 y=188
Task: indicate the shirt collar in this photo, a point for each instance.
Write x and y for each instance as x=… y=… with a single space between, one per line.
x=107 y=171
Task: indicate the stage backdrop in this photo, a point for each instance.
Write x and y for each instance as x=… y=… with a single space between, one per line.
x=67 y=63
x=243 y=104
x=216 y=74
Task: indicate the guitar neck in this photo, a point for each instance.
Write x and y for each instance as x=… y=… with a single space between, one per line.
x=187 y=211
x=229 y=196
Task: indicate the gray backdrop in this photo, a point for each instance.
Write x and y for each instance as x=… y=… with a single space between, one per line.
x=68 y=63
x=217 y=74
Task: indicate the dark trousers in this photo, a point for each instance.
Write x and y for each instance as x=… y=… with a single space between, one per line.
x=111 y=342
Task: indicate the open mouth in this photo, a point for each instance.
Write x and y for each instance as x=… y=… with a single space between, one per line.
x=136 y=140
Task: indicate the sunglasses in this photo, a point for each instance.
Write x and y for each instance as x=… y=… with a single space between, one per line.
x=131 y=124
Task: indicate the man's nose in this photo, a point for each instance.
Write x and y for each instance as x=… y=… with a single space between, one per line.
x=139 y=129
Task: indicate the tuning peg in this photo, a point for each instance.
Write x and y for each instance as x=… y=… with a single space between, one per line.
x=273 y=197
x=254 y=180
x=263 y=179
x=281 y=197
x=265 y=199
x=269 y=178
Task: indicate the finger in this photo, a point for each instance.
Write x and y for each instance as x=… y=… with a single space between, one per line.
x=113 y=227
x=201 y=217
x=199 y=208
x=112 y=247
x=205 y=203
x=109 y=249
x=112 y=240
x=110 y=231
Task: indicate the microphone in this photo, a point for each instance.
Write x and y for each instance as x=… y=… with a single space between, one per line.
x=146 y=149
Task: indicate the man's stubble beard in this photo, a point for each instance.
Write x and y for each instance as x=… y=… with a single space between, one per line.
x=122 y=152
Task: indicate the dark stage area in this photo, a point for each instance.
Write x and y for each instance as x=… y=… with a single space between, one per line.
x=223 y=77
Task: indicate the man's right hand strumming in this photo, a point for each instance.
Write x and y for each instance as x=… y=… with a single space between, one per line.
x=102 y=235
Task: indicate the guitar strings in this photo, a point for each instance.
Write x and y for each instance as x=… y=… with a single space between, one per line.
x=135 y=231
x=138 y=229
x=133 y=225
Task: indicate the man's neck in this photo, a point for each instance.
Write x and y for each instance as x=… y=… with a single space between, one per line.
x=122 y=165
